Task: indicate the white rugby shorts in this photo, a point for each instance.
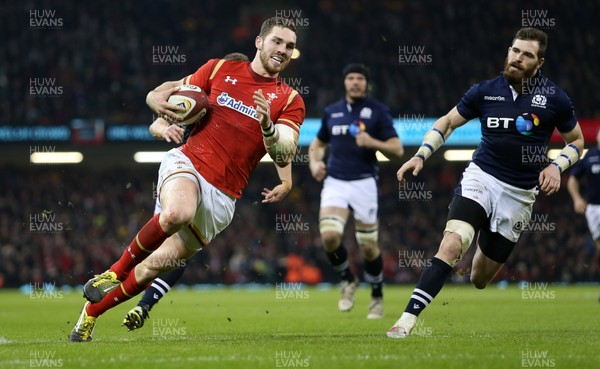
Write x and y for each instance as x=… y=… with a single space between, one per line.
x=360 y=195
x=214 y=211
x=508 y=207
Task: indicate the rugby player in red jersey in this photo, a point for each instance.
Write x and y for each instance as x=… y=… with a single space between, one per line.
x=252 y=112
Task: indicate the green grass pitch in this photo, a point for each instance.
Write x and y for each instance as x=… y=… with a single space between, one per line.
x=546 y=327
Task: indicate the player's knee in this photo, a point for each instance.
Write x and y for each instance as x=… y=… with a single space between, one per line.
x=450 y=247
x=332 y=228
x=458 y=236
x=175 y=218
x=370 y=251
x=367 y=237
x=331 y=240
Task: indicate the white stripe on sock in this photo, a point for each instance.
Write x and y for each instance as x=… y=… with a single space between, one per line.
x=342 y=266
x=163 y=284
x=159 y=289
x=374 y=278
x=419 y=298
x=425 y=294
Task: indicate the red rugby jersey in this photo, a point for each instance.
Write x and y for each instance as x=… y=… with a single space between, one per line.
x=227 y=144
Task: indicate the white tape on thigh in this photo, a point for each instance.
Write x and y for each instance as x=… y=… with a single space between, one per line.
x=466 y=233
x=332 y=223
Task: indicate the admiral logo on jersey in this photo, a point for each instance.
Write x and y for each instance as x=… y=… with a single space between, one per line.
x=230 y=144
x=225 y=100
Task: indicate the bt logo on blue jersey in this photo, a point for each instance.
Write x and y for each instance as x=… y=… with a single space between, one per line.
x=494 y=122
x=524 y=123
x=353 y=129
x=339 y=130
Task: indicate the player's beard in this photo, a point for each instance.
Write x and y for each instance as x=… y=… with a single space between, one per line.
x=264 y=59
x=517 y=77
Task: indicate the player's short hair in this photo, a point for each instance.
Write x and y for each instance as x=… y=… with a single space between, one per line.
x=268 y=25
x=236 y=56
x=532 y=34
x=357 y=68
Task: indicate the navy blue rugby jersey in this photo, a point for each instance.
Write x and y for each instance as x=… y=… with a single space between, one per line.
x=516 y=128
x=589 y=167
x=341 y=123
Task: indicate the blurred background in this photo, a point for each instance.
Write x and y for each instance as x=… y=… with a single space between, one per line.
x=74 y=76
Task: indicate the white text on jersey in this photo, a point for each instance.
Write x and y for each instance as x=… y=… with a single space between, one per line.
x=225 y=100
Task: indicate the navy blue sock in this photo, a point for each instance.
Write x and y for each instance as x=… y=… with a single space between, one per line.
x=429 y=285
x=339 y=260
x=374 y=275
x=160 y=286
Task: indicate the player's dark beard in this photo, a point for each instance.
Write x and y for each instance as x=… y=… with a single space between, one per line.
x=519 y=77
x=264 y=59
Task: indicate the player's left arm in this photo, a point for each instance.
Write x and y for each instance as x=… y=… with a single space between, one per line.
x=280 y=139
x=280 y=191
x=549 y=179
x=386 y=139
x=160 y=129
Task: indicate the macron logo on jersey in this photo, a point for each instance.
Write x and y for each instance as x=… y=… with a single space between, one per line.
x=225 y=100
x=494 y=98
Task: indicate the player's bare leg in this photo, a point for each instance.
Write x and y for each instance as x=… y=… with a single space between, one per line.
x=367 y=237
x=332 y=222
x=179 y=197
x=483 y=269
x=172 y=254
x=430 y=283
x=458 y=236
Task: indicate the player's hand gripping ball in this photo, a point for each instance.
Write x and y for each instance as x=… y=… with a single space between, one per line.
x=195 y=102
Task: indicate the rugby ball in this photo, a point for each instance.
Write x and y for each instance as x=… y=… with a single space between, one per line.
x=195 y=102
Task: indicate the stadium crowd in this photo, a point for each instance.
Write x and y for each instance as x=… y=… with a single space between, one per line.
x=78 y=220
x=89 y=59
x=74 y=59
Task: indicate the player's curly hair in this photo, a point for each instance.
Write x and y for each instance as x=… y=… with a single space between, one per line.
x=532 y=34
x=268 y=25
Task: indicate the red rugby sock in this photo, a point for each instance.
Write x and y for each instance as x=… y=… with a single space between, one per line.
x=148 y=239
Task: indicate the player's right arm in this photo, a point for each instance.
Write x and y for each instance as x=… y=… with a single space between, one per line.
x=579 y=204
x=439 y=133
x=316 y=155
x=157 y=100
